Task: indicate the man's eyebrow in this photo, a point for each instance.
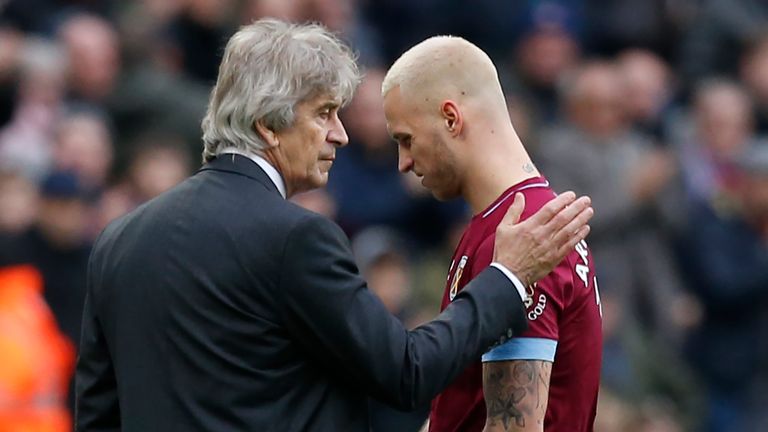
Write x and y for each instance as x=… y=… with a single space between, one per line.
x=329 y=105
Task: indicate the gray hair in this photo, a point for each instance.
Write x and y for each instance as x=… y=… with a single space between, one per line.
x=268 y=68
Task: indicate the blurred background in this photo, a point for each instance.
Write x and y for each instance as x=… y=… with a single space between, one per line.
x=657 y=109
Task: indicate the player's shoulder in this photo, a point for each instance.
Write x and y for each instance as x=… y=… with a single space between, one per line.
x=536 y=190
x=536 y=196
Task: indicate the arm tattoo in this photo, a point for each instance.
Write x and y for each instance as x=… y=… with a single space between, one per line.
x=516 y=393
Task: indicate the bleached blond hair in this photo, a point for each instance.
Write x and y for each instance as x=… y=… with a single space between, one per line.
x=445 y=66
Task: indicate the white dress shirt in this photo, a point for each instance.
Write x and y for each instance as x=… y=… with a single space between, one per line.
x=271 y=171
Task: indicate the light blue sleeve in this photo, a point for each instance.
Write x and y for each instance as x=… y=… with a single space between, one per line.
x=523 y=348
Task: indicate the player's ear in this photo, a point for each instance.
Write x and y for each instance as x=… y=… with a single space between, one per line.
x=452 y=117
x=267 y=135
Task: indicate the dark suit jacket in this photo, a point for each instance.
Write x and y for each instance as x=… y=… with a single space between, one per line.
x=220 y=306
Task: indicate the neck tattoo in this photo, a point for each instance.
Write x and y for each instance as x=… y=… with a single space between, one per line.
x=528 y=167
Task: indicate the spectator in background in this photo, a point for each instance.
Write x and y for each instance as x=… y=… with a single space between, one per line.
x=18 y=202
x=546 y=51
x=158 y=165
x=644 y=374
x=497 y=25
x=162 y=10
x=722 y=127
x=595 y=152
x=57 y=246
x=41 y=16
x=753 y=72
x=366 y=185
x=728 y=257
x=94 y=57
x=615 y=25
x=364 y=182
x=414 y=21
x=26 y=141
x=11 y=43
x=141 y=96
x=159 y=162
x=342 y=17
x=143 y=30
x=381 y=255
x=83 y=146
x=718 y=35
x=648 y=92
x=37 y=359
x=617 y=414
x=520 y=116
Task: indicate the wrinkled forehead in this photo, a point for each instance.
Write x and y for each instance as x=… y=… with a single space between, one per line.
x=322 y=98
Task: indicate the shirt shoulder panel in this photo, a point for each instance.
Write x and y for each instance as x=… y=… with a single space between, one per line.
x=523 y=348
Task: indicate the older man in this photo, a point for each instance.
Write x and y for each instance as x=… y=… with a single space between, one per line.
x=221 y=306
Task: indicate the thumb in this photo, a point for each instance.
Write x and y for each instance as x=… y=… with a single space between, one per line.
x=515 y=210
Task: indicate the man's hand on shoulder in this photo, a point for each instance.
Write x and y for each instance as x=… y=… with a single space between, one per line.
x=531 y=249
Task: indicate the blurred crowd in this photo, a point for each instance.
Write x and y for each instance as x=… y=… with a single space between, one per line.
x=657 y=109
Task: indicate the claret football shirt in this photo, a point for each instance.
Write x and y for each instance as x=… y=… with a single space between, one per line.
x=564 y=326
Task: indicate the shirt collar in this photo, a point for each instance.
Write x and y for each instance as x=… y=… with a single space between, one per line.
x=271 y=171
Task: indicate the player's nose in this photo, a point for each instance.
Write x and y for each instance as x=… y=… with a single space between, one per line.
x=404 y=160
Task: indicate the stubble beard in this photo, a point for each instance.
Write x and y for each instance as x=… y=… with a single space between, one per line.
x=446 y=172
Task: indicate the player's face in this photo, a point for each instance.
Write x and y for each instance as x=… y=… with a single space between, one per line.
x=421 y=146
x=306 y=150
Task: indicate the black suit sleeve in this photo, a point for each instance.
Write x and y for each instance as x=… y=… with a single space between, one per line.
x=329 y=309
x=96 y=406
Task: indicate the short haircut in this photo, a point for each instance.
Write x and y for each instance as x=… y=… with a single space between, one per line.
x=268 y=68
x=445 y=66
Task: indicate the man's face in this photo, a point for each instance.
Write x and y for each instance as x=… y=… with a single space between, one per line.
x=307 y=149
x=421 y=147
x=62 y=221
x=598 y=107
x=756 y=195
